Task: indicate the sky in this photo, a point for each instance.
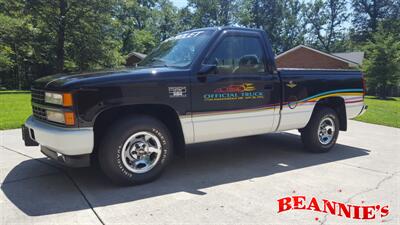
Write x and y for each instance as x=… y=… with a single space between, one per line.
x=179 y=3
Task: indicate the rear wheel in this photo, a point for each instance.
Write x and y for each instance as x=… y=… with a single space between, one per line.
x=135 y=150
x=322 y=131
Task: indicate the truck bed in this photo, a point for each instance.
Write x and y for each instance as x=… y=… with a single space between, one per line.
x=302 y=88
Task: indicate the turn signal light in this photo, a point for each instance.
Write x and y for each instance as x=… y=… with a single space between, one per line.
x=69 y=118
x=67 y=99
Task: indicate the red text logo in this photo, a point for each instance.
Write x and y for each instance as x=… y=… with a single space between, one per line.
x=367 y=212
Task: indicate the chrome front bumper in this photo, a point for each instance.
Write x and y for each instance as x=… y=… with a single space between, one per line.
x=65 y=141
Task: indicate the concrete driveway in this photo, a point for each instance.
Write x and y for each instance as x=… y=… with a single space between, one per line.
x=235 y=181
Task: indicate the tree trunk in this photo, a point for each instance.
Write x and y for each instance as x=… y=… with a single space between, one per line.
x=382 y=92
x=60 y=52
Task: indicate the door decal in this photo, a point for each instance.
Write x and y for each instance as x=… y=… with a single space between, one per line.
x=244 y=91
x=291 y=84
x=177 y=92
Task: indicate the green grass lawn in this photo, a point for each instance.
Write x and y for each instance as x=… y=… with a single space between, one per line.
x=15 y=107
x=383 y=112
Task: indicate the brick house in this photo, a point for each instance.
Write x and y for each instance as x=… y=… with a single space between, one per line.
x=305 y=57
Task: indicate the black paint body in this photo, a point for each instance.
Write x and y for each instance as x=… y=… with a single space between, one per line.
x=94 y=93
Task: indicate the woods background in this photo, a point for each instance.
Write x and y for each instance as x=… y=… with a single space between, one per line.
x=42 y=37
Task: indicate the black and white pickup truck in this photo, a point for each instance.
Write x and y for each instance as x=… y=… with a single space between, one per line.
x=201 y=85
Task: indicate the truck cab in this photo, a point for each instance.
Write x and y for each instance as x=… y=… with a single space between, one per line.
x=201 y=85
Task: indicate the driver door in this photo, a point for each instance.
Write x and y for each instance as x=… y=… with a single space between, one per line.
x=240 y=96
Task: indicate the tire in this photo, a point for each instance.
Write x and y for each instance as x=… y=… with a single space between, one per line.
x=135 y=150
x=310 y=135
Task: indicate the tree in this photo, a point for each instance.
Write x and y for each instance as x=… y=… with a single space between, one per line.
x=16 y=51
x=382 y=66
x=293 y=27
x=368 y=13
x=5 y=57
x=143 y=41
x=42 y=37
x=184 y=20
x=164 y=20
x=281 y=19
x=132 y=15
x=75 y=31
x=263 y=14
x=212 y=13
x=326 y=19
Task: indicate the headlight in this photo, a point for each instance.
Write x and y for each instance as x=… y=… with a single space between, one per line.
x=53 y=98
x=55 y=116
x=64 y=99
x=67 y=118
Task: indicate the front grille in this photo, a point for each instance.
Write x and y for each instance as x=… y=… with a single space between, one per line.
x=39 y=107
x=39 y=113
x=37 y=96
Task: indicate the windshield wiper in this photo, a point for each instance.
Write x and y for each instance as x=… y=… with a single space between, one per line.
x=161 y=61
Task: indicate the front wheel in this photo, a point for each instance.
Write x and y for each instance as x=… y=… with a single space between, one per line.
x=322 y=131
x=135 y=150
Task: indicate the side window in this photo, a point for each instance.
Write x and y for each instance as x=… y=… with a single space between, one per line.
x=238 y=55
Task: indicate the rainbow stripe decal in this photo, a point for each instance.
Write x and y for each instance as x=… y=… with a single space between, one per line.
x=335 y=93
x=354 y=95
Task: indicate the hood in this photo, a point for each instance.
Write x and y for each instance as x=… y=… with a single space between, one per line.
x=68 y=81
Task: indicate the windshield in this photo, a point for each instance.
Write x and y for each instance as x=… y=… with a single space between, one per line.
x=178 y=51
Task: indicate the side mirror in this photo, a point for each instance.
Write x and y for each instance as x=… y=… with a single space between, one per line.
x=207 y=69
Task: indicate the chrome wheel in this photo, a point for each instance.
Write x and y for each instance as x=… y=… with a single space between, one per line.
x=141 y=152
x=326 y=131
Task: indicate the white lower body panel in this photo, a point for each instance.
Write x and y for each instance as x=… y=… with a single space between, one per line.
x=295 y=118
x=354 y=106
x=202 y=127
x=216 y=126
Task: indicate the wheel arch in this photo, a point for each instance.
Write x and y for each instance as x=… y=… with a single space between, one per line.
x=165 y=113
x=336 y=103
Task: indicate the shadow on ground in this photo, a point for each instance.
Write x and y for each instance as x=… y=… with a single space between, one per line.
x=205 y=165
